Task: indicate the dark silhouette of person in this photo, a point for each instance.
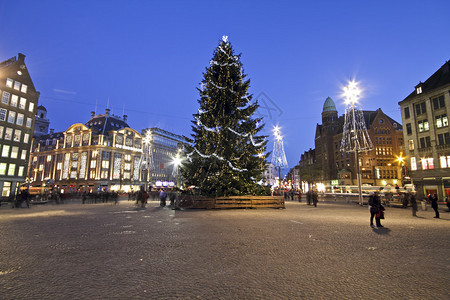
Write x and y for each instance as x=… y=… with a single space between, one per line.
x=375 y=209
x=434 y=205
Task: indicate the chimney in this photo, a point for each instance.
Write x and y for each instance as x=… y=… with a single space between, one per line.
x=52 y=130
x=125 y=118
x=107 y=111
x=21 y=57
x=92 y=114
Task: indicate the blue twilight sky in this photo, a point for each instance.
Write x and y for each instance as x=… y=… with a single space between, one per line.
x=147 y=57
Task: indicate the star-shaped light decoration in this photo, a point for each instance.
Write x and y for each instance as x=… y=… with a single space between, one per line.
x=225 y=38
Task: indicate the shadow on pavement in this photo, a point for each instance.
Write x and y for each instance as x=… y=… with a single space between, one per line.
x=382 y=230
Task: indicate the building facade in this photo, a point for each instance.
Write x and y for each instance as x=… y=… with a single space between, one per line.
x=378 y=167
x=102 y=154
x=42 y=123
x=19 y=100
x=270 y=175
x=427 y=134
x=164 y=148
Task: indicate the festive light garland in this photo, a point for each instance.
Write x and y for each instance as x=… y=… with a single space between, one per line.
x=216 y=156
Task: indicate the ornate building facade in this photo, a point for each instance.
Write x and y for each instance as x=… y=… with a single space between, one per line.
x=19 y=100
x=102 y=154
x=379 y=167
x=427 y=134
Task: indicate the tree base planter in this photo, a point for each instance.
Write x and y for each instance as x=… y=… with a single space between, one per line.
x=190 y=201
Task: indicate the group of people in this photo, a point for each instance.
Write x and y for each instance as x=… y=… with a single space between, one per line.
x=142 y=197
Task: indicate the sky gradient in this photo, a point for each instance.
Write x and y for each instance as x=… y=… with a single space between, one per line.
x=146 y=58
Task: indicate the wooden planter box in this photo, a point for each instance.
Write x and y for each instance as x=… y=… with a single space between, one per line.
x=191 y=201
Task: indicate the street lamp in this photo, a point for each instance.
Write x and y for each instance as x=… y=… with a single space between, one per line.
x=177 y=162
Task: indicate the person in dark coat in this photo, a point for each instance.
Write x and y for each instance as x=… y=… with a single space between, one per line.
x=375 y=209
x=413 y=201
x=162 y=198
x=315 y=198
x=434 y=205
x=308 y=197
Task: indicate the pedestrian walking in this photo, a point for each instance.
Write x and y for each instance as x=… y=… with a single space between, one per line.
x=162 y=198
x=413 y=201
x=434 y=205
x=25 y=197
x=315 y=198
x=144 y=197
x=376 y=209
x=299 y=196
x=308 y=197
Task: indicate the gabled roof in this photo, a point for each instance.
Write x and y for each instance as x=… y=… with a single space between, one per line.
x=440 y=78
x=369 y=117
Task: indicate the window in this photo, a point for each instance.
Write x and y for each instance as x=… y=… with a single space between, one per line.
x=14 y=100
x=1 y=131
x=11 y=116
x=425 y=142
x=14 y=152
x=20 y=172
x=59 y=166
x=49 y=158
x=28 y=122
x=444 y=138
x=445 y=161
x=441 y=121
x=423 y=125
x=26 y=138
x=2 y=114
x=5 y=97
x=19 y=120
x=406 y=111
x=93 y=163
x=2 y=169
x=438 y=102
x=22 y=103
x=9 y=82
x=31 y=107
x=6 y=191
x=17 y=85
x=408 y=128
x=8 y=133
x=419 y=90
x=23 y=154
x=24 y=88
x=427 y=163
x=411 y=144
x=105 y=164
x=5 y=151
x=421 y=108
x=17 y=135
x=11 y=169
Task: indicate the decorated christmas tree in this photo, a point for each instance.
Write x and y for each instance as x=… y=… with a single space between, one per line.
x=226 y=156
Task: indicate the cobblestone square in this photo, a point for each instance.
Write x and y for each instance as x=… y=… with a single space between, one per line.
x=103 y=251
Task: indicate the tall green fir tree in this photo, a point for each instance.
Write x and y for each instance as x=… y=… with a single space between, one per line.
x=226 y=156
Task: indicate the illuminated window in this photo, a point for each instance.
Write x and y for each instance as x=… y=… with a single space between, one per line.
x=423 y=125
x=413 y=164
x=23 y=154
x=14 y=152
x=11 y=169
x=441 y=121
x=2 y=168
x=11 y=117
x=73 y=174
x=59 y=166
x=26 y=138
x=20 y=172
x=445 y=161
x=41 y=167
x=49 y=158
x=8 y=133
x=427 y=163
x=19 y=120
x=93 y=163
x=1 y=131
x=17 y=135
x=24 y=88
x=105 y=164
x=6 y=191
x=9 y=82
x=22 y=103
x=14 y=100
x=31 y=107
x=29 y=122
x=5 y=150
x=17 y=85
x=419 y=90
x=5 y=97
x=2 y=114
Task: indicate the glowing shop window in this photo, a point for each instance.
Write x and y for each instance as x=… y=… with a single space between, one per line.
x=26 y=138
x=6 y=191
x=413 y=164
x=23 y=154
x=5 y=150
x=430 y=163
x=17 y=135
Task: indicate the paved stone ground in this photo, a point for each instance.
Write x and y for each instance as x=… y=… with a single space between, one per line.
x=102 y=251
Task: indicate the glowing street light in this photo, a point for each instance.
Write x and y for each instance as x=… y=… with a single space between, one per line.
x=351 y=93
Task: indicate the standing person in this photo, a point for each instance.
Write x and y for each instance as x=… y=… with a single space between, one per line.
x=172 y=197
x=413 y=201
x=434 y=205
x=308 y=197
x=375 y=209
x=25 y=197
x=162 y=198
x=315 y=198
x=299 y=196
x=139 y=196
x=144 y=198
